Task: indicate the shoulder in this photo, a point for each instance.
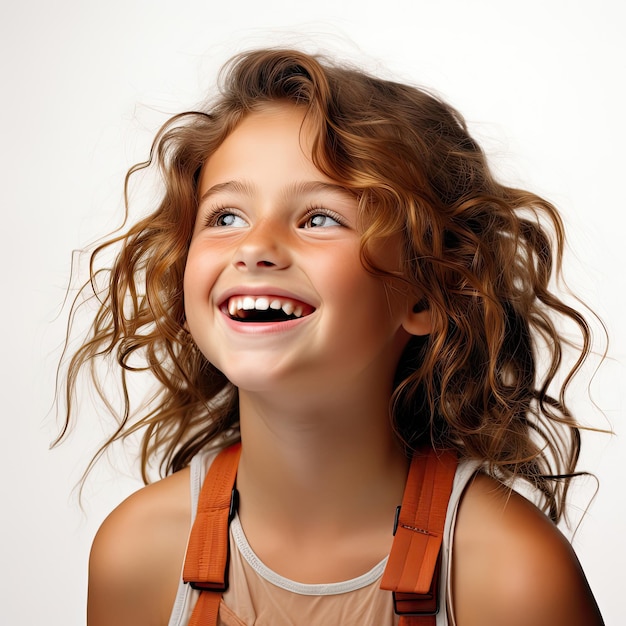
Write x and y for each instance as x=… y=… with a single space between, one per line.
x=137 y=555
x=511 y=565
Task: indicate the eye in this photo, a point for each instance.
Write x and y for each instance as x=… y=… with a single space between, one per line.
x=230 y=219
x=223 y=217
x=321 y=218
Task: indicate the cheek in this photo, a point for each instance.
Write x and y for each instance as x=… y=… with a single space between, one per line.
x=340 y=275
x=358 y=292
x=190 y=279
x=198 y=278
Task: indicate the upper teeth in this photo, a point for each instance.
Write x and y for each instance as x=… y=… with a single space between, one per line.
x=263 y=303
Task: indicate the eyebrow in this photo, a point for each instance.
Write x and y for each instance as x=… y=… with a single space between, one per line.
x=295 y=189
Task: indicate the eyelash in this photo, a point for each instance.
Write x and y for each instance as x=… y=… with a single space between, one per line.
x=318 y=210
x=218 y=211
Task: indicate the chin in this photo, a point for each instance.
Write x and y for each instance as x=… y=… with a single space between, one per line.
x=257 y=379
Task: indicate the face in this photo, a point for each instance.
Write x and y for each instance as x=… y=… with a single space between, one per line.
x=276 y=296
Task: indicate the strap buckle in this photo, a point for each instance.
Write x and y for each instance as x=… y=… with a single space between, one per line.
x=408 y=604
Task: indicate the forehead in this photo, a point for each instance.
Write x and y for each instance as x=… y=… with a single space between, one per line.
x=276 y=136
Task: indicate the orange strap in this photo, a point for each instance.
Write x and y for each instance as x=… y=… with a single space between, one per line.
x=207 y=609
x=411 y=572
x=206 y=562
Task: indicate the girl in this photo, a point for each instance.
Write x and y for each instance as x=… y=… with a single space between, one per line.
x=334 y=277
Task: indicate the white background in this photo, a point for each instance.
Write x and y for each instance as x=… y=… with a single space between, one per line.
x=86 y=84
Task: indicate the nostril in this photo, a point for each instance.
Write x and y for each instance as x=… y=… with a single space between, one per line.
x=252 y=257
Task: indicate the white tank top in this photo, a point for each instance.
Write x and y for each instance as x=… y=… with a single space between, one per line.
x=260 y=597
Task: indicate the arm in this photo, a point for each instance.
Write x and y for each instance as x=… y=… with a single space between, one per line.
x=513 y=567
x=137 y=555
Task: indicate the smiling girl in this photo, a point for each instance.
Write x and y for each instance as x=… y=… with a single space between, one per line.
x=334 y=278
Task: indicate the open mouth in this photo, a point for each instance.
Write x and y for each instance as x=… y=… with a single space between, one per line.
x=265 y=309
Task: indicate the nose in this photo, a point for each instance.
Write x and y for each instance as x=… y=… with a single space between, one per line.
x=265 y=246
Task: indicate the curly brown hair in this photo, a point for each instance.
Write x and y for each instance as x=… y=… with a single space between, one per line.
x=483 y=254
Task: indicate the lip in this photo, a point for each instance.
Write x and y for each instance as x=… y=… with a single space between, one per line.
x=264 y=328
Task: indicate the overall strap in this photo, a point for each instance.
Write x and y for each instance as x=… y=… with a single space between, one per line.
x=412 y=568
x=412 y=571
x=206 y=561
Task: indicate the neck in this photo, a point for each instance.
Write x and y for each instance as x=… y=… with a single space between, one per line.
x=319 y=475
x=318 y=461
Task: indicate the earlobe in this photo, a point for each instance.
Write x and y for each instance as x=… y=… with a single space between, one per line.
x=418 y=320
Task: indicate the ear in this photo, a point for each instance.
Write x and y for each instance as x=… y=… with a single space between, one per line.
x=418 y=319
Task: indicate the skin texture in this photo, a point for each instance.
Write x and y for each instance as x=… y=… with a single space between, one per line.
x=320 y=471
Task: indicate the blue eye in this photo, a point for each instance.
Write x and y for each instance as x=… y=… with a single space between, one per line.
x=320 y=220
x=225 y=219
x=230 y=219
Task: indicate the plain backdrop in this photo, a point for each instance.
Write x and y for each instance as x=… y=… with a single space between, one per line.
x=86 y=84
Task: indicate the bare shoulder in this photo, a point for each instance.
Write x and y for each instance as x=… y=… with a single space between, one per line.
x=137 y=555
x=511 y=564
